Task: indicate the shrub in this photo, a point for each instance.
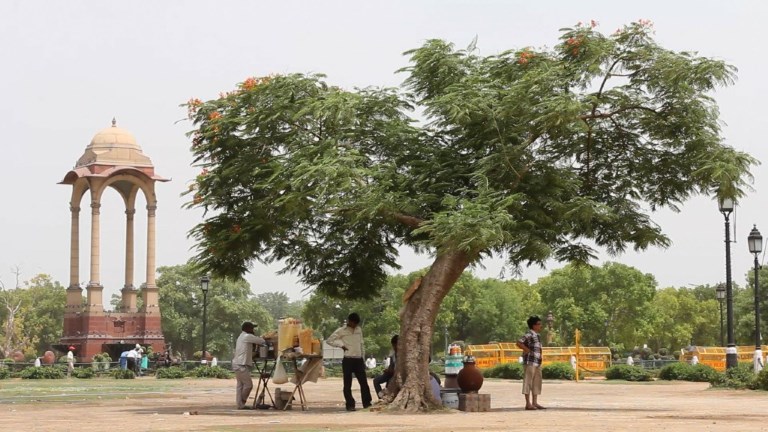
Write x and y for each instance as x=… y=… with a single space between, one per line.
x=740 y=377
x=676 y=372
x=372 y=373
x=210 y=372
x=173 y=372
x=627 y=373
x=83 y=372
x=4 y=372
x=122 y=374
x=561 y=371
x=505 y=371
x=333 y=371
x=761 y=381
x=687 y=372
x=42 y=373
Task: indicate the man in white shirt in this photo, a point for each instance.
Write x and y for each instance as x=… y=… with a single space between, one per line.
x=70 y=361
x=350 y=339
x=243 y=361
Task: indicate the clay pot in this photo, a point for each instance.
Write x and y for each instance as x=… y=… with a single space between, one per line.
x=49 y=358
x=470 y=378
x=17 y=356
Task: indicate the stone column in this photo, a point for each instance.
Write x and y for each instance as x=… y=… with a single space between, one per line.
x=150 y=292
x=74 y=248
x=94 y=286
x=129 y=291
x=74 y=292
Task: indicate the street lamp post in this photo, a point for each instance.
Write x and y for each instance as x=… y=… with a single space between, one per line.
x=204 y=285
x=755 y=241
x=720 y=294
x=445 y=333
x=550 y=321
x=726 y=208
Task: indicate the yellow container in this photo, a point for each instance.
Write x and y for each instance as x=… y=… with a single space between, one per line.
x=287 y=330
x=305 y=340
x=316 y=346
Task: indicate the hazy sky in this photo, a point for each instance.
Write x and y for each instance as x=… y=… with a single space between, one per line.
x=69 y=66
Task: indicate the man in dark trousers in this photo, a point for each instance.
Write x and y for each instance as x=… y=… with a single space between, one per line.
x=389 y=372
x=350 y=339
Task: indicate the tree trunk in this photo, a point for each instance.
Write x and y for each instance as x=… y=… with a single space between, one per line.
x=409 y=390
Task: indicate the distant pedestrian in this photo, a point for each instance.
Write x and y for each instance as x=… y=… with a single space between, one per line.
x=70 y=361
x=530 y=343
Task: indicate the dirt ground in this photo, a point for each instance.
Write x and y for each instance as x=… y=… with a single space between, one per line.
x=207 y=405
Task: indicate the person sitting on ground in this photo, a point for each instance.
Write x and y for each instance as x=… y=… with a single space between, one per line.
x=389 y=372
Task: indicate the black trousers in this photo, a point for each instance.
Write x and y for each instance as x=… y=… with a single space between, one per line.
x=356 y=367
x=381 y=379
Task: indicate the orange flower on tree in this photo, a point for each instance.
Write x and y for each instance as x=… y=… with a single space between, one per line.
x=236 y=229
x=214 y=116
x=525 y=57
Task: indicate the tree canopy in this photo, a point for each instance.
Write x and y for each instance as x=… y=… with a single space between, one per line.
x=529 y=152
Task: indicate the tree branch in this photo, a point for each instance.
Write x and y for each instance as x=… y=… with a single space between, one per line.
x=407 y=220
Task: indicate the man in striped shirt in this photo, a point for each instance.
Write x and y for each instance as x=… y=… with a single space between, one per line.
x=350 y=339
x=530 y=343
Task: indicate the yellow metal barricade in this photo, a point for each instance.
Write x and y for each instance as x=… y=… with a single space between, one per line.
x=715 y=356
x=510 y=353
x=486 y=356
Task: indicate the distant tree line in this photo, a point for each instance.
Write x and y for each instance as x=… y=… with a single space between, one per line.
x=613 y=305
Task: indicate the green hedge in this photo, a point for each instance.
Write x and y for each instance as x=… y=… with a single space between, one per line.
x=740 y=377
x=122 y=374
x=505 y=371
x=560 y=371
x=52 y=372
x=5 y=372
x=83 y=373
x=210 y=372
x=627 y=373
x=686 y=372
x=173 y=372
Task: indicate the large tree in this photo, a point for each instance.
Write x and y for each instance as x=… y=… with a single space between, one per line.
x=230 y=302
x=533 y=154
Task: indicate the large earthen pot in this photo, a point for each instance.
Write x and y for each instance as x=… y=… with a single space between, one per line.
x=49 y=358
x=17 y=356
x=470 y=378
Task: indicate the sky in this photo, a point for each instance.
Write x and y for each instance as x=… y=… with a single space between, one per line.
x=69 y=67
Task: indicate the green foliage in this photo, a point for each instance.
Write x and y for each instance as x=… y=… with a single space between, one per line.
x=38 y=323
x=627 y=373
x=209 y=372
x=229 y=301
x=506 y=371
x=173 y=372
x=740 y=377
x=372 y=373
x=4 y=372
x=679 y=316
x=608 y=303
x=83 y=373
x=686 y=372
x=761 y=382
x=119 y=373
x=561 y=371
x=561 y=145
x=47 y=372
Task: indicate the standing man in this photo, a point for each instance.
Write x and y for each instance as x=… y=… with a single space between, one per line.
x=70 y=361
x=243 y=361
x=350 y=339
x=530 y=343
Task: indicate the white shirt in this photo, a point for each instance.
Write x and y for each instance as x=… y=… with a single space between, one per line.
x=349 y=337
x=244 y=349
x=70 y=357
x=435 y=388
